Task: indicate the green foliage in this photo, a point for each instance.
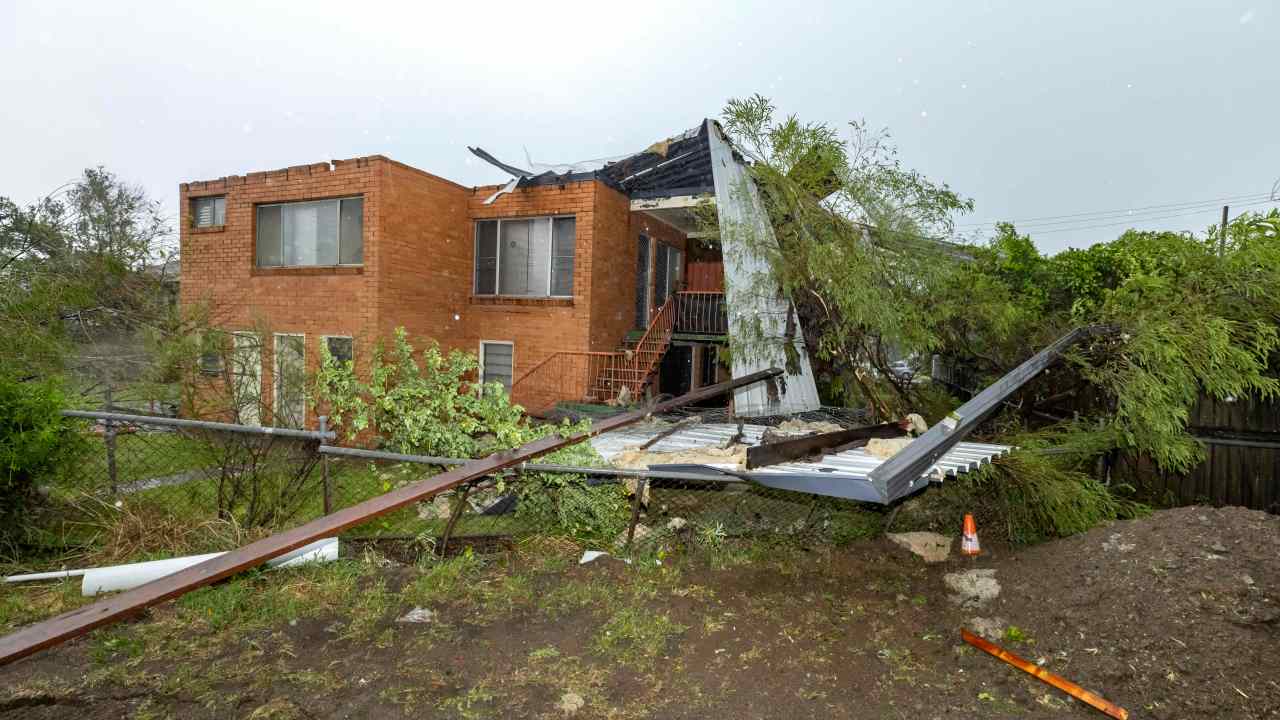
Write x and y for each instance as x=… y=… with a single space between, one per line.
x=424 y=402
x=421 y=402
x=35 y=442
x=77 y=268
x=863 y=263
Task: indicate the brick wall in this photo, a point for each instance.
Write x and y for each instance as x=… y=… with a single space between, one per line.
x=418 y=264
x=538 y=327
x=219 y=268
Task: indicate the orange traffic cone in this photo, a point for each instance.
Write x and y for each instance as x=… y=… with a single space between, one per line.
x=969 y=541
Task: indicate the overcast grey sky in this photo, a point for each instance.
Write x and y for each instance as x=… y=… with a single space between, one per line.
x=1033 y=109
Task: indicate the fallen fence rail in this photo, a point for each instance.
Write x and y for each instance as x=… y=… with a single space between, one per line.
x=200 y=425
x=522 y=467
x=78 y=622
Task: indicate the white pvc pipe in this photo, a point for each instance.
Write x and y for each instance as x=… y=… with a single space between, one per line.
x=126 y=577
x=55 y=575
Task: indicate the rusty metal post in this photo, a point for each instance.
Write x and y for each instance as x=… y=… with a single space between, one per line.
x=324 y=470
x=454 y=514
x=642 y=484
x=109 y=440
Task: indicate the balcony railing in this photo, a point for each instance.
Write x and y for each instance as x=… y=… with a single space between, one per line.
x=701 y=313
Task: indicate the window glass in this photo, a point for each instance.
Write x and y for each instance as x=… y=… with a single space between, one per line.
x=526 y=257
x=269 y=236
x=496 y=361
x=487 y=257
x=352 y=232
x=565 y=231
x=324 y=232
x=513 y=263
x=340 y=348
x=291 y=381
x=209 y=211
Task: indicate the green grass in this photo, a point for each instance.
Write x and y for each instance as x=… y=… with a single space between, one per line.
x=636 y=635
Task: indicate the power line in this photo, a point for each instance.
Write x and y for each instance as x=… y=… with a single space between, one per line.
x=1145 y=220
x=1138 y=215
x=1100 y=214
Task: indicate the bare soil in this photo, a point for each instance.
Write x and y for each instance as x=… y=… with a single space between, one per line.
x=1172 y=616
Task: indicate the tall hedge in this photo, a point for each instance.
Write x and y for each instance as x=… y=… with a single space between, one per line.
x=35 y=442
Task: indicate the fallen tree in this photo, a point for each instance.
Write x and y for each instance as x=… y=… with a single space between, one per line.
x=867 y=255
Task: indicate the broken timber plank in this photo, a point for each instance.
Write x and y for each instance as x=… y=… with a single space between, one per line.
x=822 y=444
x=80 y=621
x=671 y=431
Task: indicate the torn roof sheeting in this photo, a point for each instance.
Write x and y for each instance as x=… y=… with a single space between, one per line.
x=762 y=328
x=844 y=474
x=678 y=165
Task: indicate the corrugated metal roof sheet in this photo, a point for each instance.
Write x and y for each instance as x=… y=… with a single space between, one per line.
x=749 y=294
x=843 y=474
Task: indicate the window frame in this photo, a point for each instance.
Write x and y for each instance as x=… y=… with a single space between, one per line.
x=257 y=209
x=326 y=338
x=509 y=343
x=497 y=268
x=276 y=378
x=213 y=215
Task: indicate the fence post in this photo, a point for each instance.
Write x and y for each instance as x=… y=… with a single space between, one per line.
x=324 y=470
x=642 y=484
x=109 y=440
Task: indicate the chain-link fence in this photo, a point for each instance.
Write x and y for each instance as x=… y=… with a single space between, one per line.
x=266 y=479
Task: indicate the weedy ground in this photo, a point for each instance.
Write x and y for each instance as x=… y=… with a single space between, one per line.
x=742 y=630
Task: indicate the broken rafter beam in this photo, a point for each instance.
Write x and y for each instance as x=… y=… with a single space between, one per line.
x=817 y=445
x=78 y=622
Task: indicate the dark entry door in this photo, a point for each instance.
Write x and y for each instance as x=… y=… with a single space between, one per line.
x=675 y=375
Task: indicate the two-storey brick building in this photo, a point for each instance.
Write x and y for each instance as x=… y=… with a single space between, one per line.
x=568 y=286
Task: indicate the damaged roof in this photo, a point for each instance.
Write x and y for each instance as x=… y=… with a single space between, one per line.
x=678 y=165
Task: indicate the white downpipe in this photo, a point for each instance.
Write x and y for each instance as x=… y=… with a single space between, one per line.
x=126 y=577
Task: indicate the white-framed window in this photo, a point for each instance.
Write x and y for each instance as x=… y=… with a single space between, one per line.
x=497 y=362
x=313 y=232
x=668 y=271
x=209 y=211
x=526 y=257
x=340 y=347
x=290 y=380
x=246 y=377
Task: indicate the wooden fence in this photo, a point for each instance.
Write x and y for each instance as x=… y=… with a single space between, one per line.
x=1242 y=463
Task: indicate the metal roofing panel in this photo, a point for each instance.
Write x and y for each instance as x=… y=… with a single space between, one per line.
x=845 y=474
x=751 y=295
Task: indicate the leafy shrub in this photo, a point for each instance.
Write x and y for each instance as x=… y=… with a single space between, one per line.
x=425 y=402
x=35 y=442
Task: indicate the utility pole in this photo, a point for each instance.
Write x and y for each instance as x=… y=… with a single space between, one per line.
x=1222 y=236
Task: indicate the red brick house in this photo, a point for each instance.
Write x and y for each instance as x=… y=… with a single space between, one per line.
x=569 y=286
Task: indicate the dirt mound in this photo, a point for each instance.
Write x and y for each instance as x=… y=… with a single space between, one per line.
x=1175 y=615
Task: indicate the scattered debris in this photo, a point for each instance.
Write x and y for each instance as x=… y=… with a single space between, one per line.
x=590 y=556
x=675 y=428
x=885 y=448
x=1057 y=681
x=973 y=588
x=932 y=547
x=641 y=532
x=637 y=459
x=570 y=703
x=1114 y=544
x=796 y=427
x=113 y=578
x=991 y=628
x=418 y=615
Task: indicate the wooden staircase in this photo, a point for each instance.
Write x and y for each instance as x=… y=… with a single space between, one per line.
x=598 y=376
